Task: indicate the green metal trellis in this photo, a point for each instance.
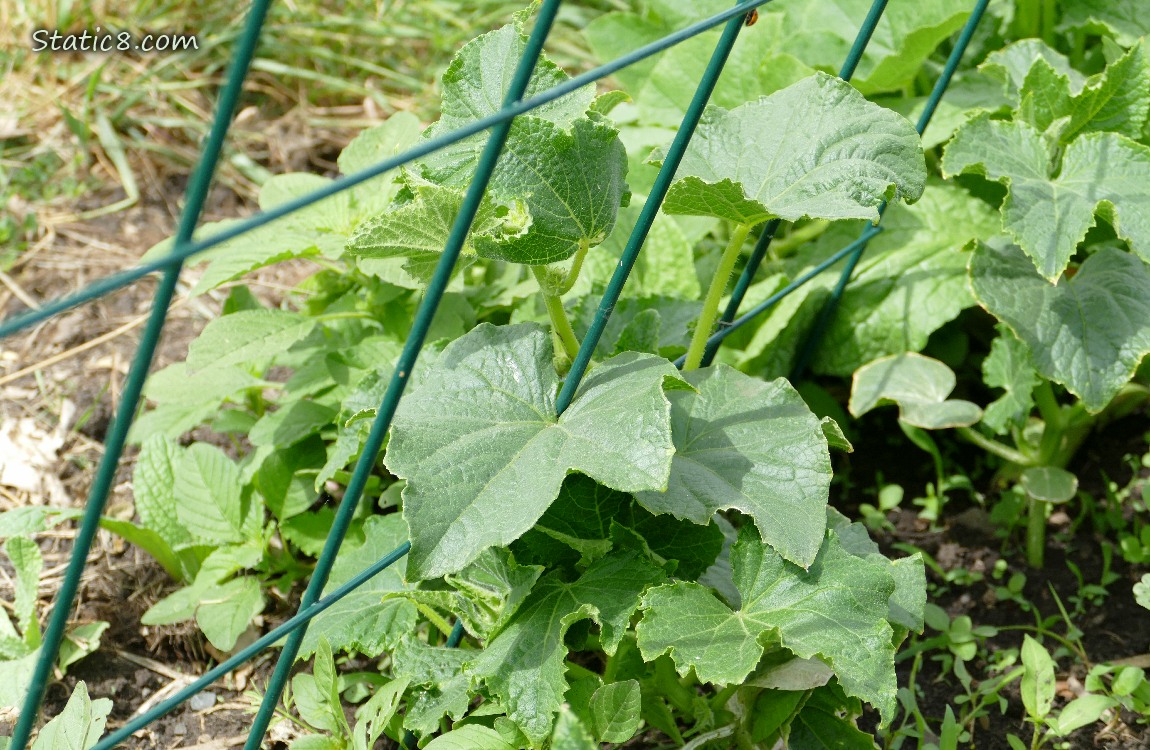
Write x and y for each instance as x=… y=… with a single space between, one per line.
x=498 y=124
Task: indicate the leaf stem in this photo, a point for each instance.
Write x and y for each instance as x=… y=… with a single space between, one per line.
x=576 y=267
x=1035 y=532
x=993 y=446
x=715 y=734
x=782 y=248
x=560 y=325
x=714 y=296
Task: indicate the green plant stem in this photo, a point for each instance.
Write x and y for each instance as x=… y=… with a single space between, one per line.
x=993 y=446
x=1035 y=532
x=781 y=248
x=560 y=325
x=715 y=734
x=576 y=267
x=714 y=296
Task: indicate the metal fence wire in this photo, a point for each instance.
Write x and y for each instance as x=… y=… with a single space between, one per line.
x=498 y=125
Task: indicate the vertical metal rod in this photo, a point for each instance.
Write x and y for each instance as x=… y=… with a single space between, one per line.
x=134 y=385
x=822 y=324
x=650 y=210
x=403 y=368
x=846 y=72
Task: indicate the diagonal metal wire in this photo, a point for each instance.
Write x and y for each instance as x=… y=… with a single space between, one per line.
x=650 y=210
x=403 y=367
x=184 y=247
x=812 y=341
x=846 y=72
x=120 y=280
x=133 y=387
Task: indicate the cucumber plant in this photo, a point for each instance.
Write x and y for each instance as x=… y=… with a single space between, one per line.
x=587 y=556
x=1069 y=285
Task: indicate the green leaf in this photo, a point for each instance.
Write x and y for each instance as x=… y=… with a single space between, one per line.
x=751 y=446
x=821 y=33
x=1116 y=100
x=1125 y=20
x=835 y=610
x=474 y=86
x=835 y=436
x=418 y=230
x=226 y=610
x=483 y=453
x=153 y=487
x=1011 y=64
x=1083 y=710
x=1049 y=484
x=210 y=501
x=583 y=515
x=1049 y=213
x=819 y=726
x=444 y=687
x=615 y=711
x=372 y=718
x=470 y=737
x=1037 y=685
x=78 y=726
x=524 y=663
x=1088 y=333
x=247 y=336
x=80 y=641
x=572 y=181
x=1008 y=367
x=316 y=741
x=919 y=385
x=173 y=563
x=361 y=621
x=372 y=145
x=1044 y=98
x=15 y=677
x=915 y=264
x=1142 y=591
x=816 y=148
x=185 y=400
x=570 y=734
x=24 y=554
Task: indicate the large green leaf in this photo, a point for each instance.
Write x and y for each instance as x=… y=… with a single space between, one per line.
x=1089 y=332
x=1125 y=20
x=919 y=385
x=1011 y=64
x=483 y=453
x=1048 y=212
x=821 y=33
x=363 y=620
x=524 y=663
x=816 y=148
x=475 y=85
x=835 y=610
x=752 y=446
x=910 y=282
x=444 y=685
x=572 y=181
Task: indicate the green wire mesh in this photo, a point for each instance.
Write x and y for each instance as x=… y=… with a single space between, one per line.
x=499 y=124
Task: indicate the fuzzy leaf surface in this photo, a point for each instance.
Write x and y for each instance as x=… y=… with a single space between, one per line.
x=1048 y=214
x=835 y=610
x=1089 y=332
x=814 y=149
x=484 y=455
x=361 y=621
x=1008 y=367
x=752 y=446
x=524 y=663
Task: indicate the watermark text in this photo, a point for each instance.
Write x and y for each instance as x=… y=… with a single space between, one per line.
x=101 y=40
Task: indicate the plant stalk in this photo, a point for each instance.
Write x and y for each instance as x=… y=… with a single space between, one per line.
x=993 y=446
x=1035 y=532
x=560 y=324
x=714 y=296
